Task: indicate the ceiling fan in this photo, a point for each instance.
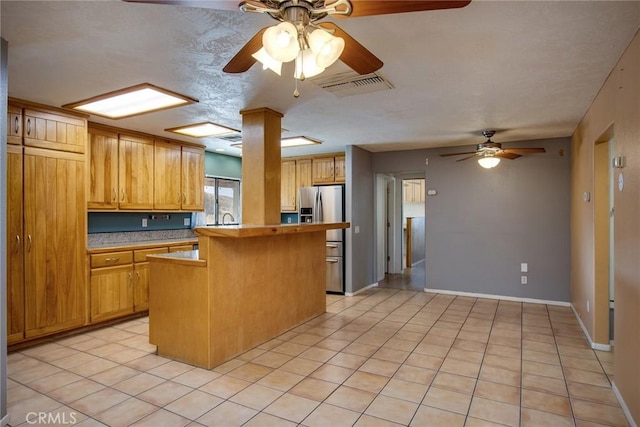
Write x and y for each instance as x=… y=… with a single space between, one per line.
x=489 y=153
x=301 y=31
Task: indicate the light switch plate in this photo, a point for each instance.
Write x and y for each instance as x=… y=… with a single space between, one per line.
x=524 y=267
x=187 y=221
x=144 y=222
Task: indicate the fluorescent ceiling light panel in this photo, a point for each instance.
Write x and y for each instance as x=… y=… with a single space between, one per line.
x=295 y=141
x=131 y=101
x=201 y=130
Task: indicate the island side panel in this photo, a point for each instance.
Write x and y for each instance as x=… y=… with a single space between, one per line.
x=263 y=286
x=179 y=311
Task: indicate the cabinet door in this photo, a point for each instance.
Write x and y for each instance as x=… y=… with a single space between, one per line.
x=56 y=234
x=103 y=170
x=339 y=169
x=54 y=131
x=14 y=124
x=141 y=287
x=288 y=185
x=304 y=174
x=135 y=172
x=167 y=175
x=192 y=179
x=323 y=170
x=111 y=292
x=15 y=245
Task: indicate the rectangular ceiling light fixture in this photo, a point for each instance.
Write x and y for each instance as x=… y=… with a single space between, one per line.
x=294 y=141
x=201 y=130
x=131 y=101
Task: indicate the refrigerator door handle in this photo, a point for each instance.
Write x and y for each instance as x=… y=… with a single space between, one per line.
x=320 y=208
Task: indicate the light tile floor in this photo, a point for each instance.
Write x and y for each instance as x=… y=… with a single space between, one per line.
x=387 y=357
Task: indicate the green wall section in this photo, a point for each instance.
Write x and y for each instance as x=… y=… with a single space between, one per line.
x=109 y=222
x=223 y=166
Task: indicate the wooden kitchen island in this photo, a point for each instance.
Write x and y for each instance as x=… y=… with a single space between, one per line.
x=245 y=285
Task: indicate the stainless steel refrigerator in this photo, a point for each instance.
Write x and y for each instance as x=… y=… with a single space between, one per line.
x=326 y=204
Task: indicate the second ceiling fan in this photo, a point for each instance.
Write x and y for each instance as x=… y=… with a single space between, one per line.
x=489 y=153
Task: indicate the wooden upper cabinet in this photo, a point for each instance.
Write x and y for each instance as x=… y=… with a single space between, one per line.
x=339 y=169
x=323 y=170
x=103 y=169
x=54 y=131
x=167 y=194
x=304 y=173
x=14 y=124
x=135 y=172
x=55 y=241
x=15 y=246
x=288 y=187
x=193 y=178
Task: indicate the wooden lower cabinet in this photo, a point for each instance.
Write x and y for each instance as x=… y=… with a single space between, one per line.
x=111 y=292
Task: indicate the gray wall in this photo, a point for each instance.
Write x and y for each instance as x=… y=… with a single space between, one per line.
x=3 y=227
x=360 y=254
x=483 y=223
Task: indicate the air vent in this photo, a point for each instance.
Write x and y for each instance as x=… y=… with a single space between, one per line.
x=232 y=137
x=351 y=83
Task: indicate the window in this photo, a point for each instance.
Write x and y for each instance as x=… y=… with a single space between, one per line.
x=221 y=201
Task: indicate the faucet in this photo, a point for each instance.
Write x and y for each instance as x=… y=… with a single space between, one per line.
x=225 y=216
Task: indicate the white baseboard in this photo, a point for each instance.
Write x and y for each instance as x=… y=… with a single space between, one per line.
x=499 y=297
x=351 y=294
x=594 y=345
x=623 y=404
x=4 y=421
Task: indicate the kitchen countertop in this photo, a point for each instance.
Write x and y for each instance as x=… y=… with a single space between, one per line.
x=239 y=231
x=129 y=245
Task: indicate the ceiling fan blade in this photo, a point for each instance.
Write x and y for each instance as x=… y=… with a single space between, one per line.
x=243 y=60
x=466 y=158
x=384 y=7
x=457 y=154
x=524 y=150
x=509 y=156
x=207 y=4
x=354 y=54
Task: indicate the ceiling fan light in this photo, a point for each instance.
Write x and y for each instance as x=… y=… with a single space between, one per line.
x=489 y=162
x=268 y=62
x=326 y=47
x=306 y=65
x=281 y=42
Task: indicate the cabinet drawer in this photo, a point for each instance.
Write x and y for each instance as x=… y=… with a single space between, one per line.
x=111 y=258
x=141 y=254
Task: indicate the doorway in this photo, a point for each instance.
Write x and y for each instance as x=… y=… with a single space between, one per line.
x=391 y=218
x=604 y=292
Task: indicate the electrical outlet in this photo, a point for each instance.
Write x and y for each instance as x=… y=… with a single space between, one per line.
x=289 y=220
x=524 y=267
x=523 y=280
x=357 y=229
x=144 y=222
x=187 y=221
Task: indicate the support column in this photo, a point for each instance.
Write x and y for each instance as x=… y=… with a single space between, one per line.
x=261 y=129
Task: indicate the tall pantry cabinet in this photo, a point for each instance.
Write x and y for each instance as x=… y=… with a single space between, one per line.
x=46 y=206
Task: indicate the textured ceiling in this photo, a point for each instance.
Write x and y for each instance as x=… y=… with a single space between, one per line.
x=527 y=68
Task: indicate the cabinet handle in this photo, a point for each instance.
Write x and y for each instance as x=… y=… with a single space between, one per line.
x=122 y=198
x=17 y=125
x=29 y=242
x=18 y=244
x=115 y=194
x=29 y=126
x=138 y=274
x=115 y=259
x=184 y=197
x=130 y=278
x=331 y=246
x=179 y=197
